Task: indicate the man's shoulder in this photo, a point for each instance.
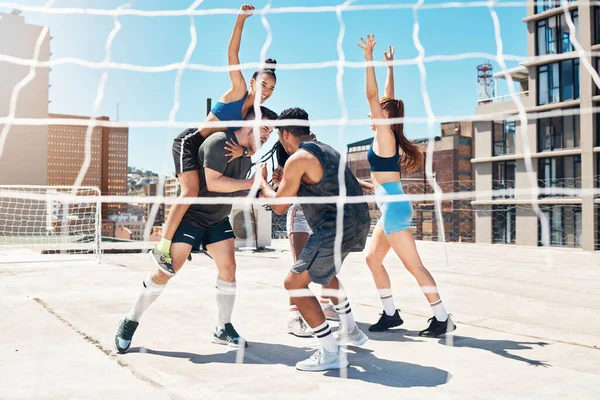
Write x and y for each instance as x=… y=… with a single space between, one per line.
x=217 y=137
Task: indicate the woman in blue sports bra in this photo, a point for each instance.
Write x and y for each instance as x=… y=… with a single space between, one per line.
x=393 y=228
x=233 y=106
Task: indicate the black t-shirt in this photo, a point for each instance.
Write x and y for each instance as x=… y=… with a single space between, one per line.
x=212 y=155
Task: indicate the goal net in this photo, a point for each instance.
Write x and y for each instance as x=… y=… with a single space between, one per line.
x=64 y=222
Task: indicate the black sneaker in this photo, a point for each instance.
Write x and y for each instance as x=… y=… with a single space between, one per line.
x=437 y=328
x=124 y=334
x=386 y=322
x=229 y=337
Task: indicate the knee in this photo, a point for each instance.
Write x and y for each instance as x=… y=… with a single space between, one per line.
x=291 y=282
x=374 y=260
x=228 y=271
x=190 y=190
x=159 y=277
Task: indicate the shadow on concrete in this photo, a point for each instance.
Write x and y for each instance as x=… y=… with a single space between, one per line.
x=499 y=347
x=391 y=335
x=364 y=366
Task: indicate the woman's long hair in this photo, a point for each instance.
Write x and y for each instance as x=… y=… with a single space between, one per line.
x=412 y=156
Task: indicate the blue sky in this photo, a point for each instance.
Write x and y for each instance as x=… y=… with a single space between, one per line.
x=297 y=37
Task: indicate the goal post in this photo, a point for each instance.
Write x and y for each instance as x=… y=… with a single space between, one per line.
x=51 y=219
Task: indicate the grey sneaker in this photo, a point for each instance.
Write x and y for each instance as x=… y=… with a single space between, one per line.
x=162 y=261
x=298 y=327
x=323 y=360
x=354 y=338
x=124 y=334
x=229 y=337
x=331 y=314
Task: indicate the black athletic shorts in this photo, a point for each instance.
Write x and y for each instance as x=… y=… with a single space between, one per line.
x=185 y=151
x=199 y=238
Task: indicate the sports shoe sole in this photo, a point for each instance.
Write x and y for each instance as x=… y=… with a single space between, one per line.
x=120 y=351
x=230 y=344
x=439 y=334
x=325 y=367
x=363 y=340
x=301 y=335
x=157 y=264
x=388 y=328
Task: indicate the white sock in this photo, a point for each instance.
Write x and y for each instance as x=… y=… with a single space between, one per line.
x=346 y=318
x=388 y=301
x=225 y=300
x=439 y=311
x=324 y=303
x=323 y=332
x=150 y=292
x=294 y=313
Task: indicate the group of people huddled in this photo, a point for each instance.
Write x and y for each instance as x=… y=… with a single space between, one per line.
x=215 y=162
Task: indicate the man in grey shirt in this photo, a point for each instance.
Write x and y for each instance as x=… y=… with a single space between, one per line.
x=206 y=225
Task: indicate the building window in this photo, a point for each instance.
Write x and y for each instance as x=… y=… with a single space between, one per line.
x=559 y=172
x=503 y=138
x=503 y=178
x=558 y=133
x=558 y=81
x=553 y=34
x=504 y=224
x=545 y=5
x=564 y=225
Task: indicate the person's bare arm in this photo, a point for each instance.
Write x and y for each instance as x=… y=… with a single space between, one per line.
x=218 y=183
x=384 y=143
x=389 y=80
x=238 y=83
x=295 y=168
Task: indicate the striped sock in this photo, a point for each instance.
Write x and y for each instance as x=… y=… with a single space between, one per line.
x=324 y=303
x=439 y=311
x=323 y=332
x=388 y=301
x=346 y=318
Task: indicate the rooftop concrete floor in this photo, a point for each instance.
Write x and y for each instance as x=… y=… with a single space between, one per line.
x=528 y=327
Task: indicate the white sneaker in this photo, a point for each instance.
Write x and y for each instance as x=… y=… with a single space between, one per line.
x=354 y=338
x=298 y=327
x=322 y=360
x=331 y=314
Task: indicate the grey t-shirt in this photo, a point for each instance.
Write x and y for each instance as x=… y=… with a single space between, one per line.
x=212 y=155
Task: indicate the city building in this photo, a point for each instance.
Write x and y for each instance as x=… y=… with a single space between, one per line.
x=564 y=141
x=452 y=171
x=108 y=163
x=108 y=228
x=24 y=154
x=171 y=190
x=151 y=190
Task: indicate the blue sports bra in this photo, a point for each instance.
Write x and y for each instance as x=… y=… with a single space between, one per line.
x=384 y=164
x=229 y=111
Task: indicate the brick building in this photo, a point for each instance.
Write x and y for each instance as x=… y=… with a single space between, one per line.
x=108 y=164
x=453 y=172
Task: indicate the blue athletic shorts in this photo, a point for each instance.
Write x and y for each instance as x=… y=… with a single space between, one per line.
x=395 y=216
